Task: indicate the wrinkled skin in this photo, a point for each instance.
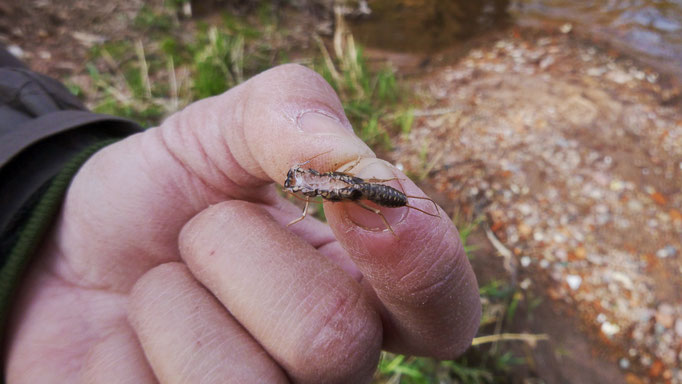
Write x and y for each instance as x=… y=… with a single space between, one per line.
x=171 y=260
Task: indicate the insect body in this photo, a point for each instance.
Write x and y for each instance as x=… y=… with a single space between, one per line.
x=342 y=186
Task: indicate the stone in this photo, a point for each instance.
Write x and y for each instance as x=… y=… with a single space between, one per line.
x=574 y=281
x=609 y=329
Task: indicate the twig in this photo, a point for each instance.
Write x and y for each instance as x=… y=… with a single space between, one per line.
x=506 y=254
x=111 y=63
x=395 y=379
x=429 y=167
x=531 y=339
x=428 y=112
x=328 y=59
x=237 y=56
x=435 y=111
x=340 y=31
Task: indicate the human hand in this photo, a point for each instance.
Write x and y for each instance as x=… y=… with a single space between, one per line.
x=171 y=260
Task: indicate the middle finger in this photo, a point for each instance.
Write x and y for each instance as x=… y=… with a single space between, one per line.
x=310 y=316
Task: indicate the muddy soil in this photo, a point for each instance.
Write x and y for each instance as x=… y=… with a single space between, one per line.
x=54 y=37
x=573 y=354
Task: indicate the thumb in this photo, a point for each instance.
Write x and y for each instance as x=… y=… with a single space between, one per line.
x=419 y=275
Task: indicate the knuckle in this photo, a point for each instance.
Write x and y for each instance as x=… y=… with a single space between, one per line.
x=195 y=234
x=345 y=343
x=294 y=71
x=294 y=78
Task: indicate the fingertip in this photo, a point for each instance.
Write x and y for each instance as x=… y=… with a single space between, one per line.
x=420 y=274
x=412 y=218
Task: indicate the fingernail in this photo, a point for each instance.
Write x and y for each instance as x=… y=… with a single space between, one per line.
x=377 y=169
x=319 y=123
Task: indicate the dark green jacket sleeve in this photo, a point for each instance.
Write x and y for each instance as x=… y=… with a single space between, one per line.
x=46 y=134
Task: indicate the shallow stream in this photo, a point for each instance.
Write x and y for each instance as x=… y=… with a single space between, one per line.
x=650 y=30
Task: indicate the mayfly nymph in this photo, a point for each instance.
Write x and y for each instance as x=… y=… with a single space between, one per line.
x=343 y=186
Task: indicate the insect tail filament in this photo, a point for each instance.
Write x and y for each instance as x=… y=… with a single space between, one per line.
x=437 y=214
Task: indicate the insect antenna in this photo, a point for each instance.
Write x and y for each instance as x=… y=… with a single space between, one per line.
x=314 y=157
x=421 y=210
x=305 y=209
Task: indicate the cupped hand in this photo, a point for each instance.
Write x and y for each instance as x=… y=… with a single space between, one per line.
x=171 y=260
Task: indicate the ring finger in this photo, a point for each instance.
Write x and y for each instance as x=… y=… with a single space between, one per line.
x=188 y=337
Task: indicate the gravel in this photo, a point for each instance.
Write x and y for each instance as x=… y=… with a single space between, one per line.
x=573 y=155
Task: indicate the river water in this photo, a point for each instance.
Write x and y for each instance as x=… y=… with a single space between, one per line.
x=650 y=30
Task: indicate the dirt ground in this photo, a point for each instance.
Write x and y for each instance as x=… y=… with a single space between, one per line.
x=572 y=153
x=55 y=36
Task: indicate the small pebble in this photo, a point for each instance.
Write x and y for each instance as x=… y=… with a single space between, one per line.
x=665 y=316
x=617 y=185
x=525 y=261
x=16 y=51
x=671 y=250
x=609 y=329
x=574 y=281
x=646 y=360
x=525 y=284
x=665 y=252
x=635 y=205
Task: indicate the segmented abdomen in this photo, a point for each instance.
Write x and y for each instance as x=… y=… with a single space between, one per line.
x=383 y=195
x=342 y=194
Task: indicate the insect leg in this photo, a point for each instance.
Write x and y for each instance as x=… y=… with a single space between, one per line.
x=378 y=212
x=302 y=199
x=305 y=212
x=421 y=210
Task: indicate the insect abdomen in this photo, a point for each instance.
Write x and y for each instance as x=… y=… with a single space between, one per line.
x=342 y=194
x=384 y=195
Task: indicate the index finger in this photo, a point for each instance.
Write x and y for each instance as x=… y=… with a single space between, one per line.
x=281 y=117
x=142 y=190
